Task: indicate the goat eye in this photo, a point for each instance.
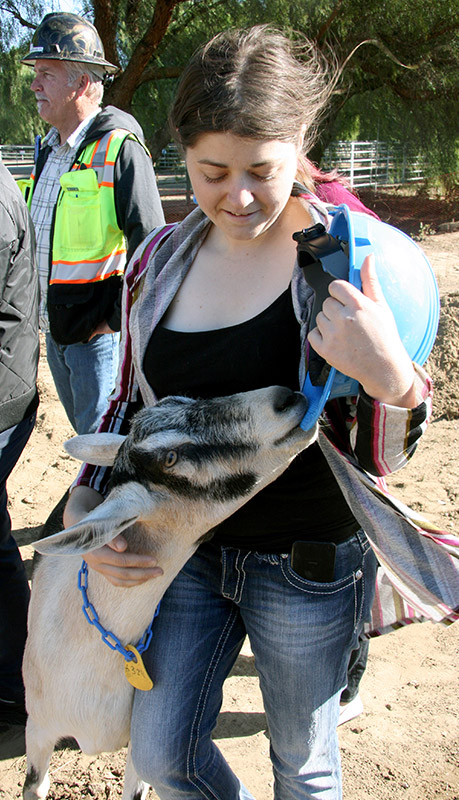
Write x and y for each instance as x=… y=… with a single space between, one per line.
x=171 y=458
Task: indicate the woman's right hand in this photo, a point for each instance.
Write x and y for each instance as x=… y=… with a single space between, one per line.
x=112 y=561
x=356 y=333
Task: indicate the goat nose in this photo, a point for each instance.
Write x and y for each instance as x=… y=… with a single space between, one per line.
x=285 y=398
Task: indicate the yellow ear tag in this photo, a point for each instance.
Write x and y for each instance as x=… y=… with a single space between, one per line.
x=136 y=673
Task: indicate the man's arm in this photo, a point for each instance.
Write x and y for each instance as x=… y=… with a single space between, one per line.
x=137 y=201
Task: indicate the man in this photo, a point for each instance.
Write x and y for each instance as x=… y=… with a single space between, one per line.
x=92 y=190
x=18 y=406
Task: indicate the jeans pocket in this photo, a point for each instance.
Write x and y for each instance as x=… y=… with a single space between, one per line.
x=348 y=587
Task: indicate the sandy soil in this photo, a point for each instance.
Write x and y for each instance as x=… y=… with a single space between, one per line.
x=405 y=744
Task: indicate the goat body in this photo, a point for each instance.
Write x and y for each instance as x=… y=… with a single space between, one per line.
x=184 y=467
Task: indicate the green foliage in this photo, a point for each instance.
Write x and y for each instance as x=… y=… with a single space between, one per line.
x=399 y=61
x=427 y=128
x=400 y=64
x=19 y=119
x=402 y=80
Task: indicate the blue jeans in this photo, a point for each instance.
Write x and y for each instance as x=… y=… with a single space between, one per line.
x=84 y=375
x=356 y=669
x=301 y=634
x=14 y=587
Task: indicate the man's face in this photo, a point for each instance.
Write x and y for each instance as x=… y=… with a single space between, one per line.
x=55 y=96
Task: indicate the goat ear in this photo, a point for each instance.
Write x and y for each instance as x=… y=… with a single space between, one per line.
x=99 y=527
x=95 y=448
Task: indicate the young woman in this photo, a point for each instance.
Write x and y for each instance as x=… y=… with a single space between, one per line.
x=220 y=307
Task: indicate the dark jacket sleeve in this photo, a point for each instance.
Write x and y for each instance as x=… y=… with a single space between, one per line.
x=138 y=205
x=19 y=344
x=137 y=201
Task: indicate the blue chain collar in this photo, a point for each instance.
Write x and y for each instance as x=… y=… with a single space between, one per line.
x=107 y=636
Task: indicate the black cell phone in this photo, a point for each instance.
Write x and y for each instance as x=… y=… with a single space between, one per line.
x=314 y=561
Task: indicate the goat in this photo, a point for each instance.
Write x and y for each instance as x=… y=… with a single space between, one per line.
x=184 y=467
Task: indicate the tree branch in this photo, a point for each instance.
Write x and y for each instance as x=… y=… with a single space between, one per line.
x=192 y=12
x=105 y=20
x=323 y=30
x=124 y=87
x=11 y=9
x=159 y=73
x=409 y=94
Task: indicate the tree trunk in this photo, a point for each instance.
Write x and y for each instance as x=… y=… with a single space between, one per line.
x=122 y=90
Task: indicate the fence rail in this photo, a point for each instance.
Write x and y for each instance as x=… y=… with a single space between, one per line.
x=16 y=154
x=363 y=163
x=374 y=163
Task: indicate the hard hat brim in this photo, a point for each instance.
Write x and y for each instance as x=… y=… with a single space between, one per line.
x=34 y=55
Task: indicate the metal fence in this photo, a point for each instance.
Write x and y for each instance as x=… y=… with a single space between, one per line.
x=374 y=163
x=363 y=163
x=16 y=153
x=18 y=159
x=171 y=174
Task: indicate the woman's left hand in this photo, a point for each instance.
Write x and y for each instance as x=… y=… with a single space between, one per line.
x=356 y=333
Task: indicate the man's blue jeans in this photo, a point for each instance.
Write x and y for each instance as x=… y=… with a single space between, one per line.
x=84 y=375
x=301 y=634
x=14 y=587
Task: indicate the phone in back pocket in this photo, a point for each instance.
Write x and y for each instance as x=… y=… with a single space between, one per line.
x=314 y=561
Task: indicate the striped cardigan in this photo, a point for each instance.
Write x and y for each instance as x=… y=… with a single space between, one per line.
x=362 y=439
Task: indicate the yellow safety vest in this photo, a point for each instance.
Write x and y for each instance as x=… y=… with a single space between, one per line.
x=88 y=245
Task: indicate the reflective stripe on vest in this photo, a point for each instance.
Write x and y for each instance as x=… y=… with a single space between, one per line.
x=88 y=245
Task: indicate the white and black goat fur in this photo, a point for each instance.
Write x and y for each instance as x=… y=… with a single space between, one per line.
x=184 y=467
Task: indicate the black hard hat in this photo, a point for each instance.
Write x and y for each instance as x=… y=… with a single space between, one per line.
x=67 y=37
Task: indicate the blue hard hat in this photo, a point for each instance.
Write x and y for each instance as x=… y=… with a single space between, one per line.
x=406 y=277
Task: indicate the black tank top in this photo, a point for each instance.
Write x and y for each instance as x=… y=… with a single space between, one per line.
x=303 y=503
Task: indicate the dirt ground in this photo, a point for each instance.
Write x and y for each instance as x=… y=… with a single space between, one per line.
x=405 y=744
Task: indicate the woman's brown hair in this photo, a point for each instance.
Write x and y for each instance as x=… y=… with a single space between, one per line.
x=254 y=83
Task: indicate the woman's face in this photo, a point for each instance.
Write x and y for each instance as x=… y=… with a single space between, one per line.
x=242 y=185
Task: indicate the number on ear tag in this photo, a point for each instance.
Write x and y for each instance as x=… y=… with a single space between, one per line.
x=136 y=673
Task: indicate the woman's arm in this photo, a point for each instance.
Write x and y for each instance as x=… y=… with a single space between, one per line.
x=356 y=333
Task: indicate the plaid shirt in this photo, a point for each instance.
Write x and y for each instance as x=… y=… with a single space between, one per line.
x=45 y=196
